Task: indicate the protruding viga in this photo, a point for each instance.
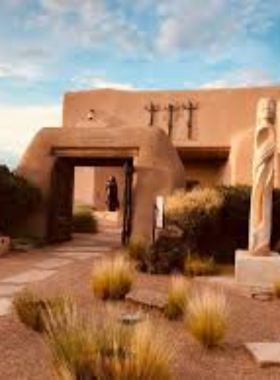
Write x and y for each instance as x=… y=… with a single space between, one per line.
x=263 y=172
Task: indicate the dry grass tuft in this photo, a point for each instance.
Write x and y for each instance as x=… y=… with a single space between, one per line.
x=207 y=317
x=196 y=265
x=33 y=310
x=112 y=279
x=102 y=348
x=276 y=288
x=177 y=299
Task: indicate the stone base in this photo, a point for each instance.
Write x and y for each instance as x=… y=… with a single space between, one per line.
x=257 y=271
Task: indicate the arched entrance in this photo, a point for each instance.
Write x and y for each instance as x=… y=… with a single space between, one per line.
x=59 y=224
x=145 y=153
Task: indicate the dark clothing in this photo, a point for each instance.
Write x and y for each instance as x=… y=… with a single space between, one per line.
x=112 y=194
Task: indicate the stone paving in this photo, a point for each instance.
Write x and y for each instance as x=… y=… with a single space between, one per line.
x=82 y=247
x=265 y=353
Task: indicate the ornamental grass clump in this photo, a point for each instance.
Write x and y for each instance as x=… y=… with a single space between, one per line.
x=177 y=298
x=84 y=220
x=33 y=309
x=276 y=288
x=98 y=347
x=112 y=279
x=206 y=319
x=196 y=265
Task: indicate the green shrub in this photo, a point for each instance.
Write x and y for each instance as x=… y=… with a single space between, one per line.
x=206 y=317
x=177 y=298
x=137 y=250
x=196 y=265
x=102 y=348
x=213 y=221
x=195 y=212
x=83 y=220
x=32 y=309
x=18 y=200
x=112 y=279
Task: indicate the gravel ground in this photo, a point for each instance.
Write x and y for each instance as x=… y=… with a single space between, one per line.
x=25 y=357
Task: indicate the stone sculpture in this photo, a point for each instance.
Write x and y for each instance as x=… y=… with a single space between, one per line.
x=263 y=171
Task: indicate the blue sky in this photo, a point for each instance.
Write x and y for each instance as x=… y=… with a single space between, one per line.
x=48 y=47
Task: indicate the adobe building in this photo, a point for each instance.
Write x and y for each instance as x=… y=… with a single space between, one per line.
x=212 y=131
x=152 y=141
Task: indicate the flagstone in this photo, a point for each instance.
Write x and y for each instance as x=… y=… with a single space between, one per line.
x=29 y=276
x=10 y=289
x=5 y=306
x=266 y=353
x=52 y=263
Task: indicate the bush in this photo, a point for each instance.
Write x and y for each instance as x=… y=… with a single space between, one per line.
x=137 y=250
x=177 y=299
x=194 y=212
x=83 y=220
x=101 y=348
x=32 y=309
x=112 y=279
x=207 y=317
x=18 y=199
x=276 y=288
x=213 y=221
x=196 y=265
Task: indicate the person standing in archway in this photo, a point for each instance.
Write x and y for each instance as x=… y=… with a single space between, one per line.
x=112 y=199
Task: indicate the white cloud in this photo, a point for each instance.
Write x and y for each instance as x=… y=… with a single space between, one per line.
x=18 y=71
x=87 y=24
x=18 y=125
x=241 y=78
x=89 y=81
x=214 y=25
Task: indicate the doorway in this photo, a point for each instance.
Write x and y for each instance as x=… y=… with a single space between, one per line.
x=62 y=194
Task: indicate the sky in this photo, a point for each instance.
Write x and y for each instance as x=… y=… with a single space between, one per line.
x=49 y=47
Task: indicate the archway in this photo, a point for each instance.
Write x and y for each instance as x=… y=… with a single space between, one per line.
x=59 y=225
x=55 y=151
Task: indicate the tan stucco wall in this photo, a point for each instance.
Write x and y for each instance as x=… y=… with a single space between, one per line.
x=222 y=112
x=158 y=169
x=223 y=119
x=84 y=180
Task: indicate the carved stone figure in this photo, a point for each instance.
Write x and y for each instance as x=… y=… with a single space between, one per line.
x=263 y=171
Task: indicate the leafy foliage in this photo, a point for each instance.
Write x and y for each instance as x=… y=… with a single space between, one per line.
x=18 y=200
x=84 y=220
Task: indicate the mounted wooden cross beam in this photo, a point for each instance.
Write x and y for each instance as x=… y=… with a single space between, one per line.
x=153 y=109
x=190 y=107
x=172 y=109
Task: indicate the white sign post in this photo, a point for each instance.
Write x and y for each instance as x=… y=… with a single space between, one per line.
x=159 y=212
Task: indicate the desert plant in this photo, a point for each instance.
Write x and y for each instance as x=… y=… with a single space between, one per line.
x=32 y=309
x=196 y=265
x=177 y=298
x=18 y=200
x=98 y=347
x=112 y=279
x=207 y=317
x=276 y=288
x=83 y=220
x=137 y=250
x=190 y=210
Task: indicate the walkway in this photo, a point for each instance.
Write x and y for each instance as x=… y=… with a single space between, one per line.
x=18 y=270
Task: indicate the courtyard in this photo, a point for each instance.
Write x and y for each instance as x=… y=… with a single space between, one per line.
x=69 y=266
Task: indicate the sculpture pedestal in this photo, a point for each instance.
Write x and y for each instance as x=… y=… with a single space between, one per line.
x=257 y=271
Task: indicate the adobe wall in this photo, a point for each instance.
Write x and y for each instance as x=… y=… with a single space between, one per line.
x=223 y=117
x=158 y=169
x=220 y=115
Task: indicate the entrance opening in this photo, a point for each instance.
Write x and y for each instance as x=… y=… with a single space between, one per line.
x=77 y=181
